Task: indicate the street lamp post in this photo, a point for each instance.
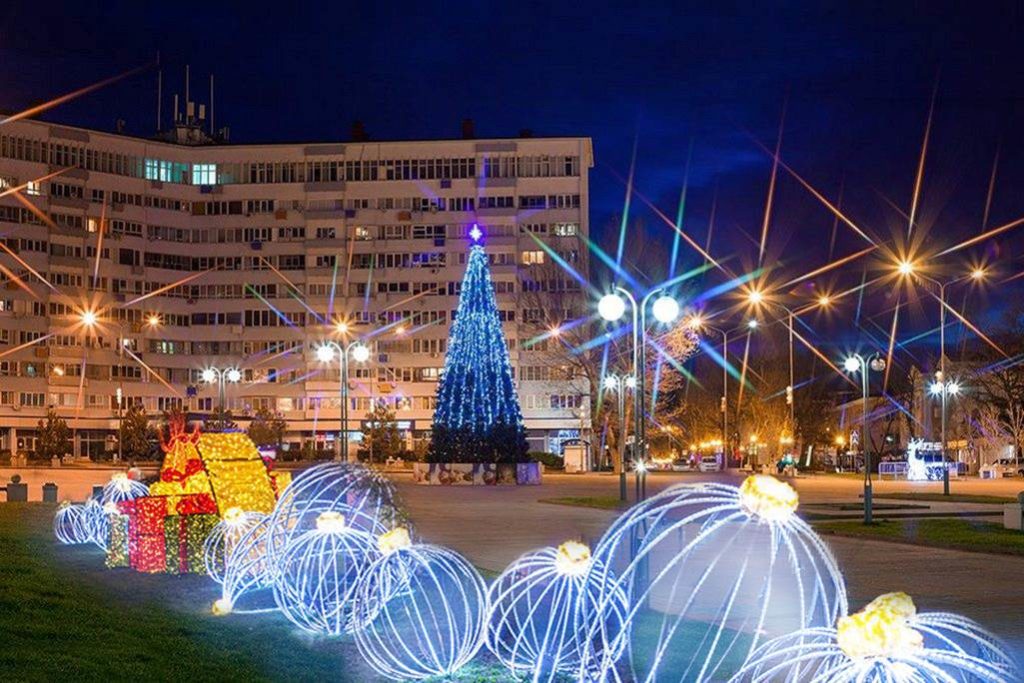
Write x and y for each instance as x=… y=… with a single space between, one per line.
x=611 y=307
x=361 y=353
x=909 y=269
x=859 y=363
x=221 y=376
x=618 y=385
x=697 y=323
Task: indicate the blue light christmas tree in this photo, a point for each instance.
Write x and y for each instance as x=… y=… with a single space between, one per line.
x=477 y=418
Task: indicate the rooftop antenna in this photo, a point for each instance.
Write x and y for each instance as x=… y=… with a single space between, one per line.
x=211 y=105
x=186 y=91
x=159 y=96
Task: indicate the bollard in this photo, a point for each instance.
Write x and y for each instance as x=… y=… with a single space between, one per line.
x=97 y=491
x=17 y=492
x=49 y=492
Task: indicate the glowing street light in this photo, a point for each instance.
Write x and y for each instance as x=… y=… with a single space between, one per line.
x=153 y=320
x=220 y=376
x=341 y=327
x=611 y=307
x=755 y=297
x=824 y=301
x=861 y=364
x=665 y=309
x=752 y=323
x=89 y=318
x=905 y=268
x=978 y=274
x=360 y=353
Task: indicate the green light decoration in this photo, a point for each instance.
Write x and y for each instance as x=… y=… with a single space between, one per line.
x=478 y=418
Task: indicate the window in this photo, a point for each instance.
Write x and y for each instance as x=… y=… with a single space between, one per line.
x=531 y=258
x=32 y=399
x=566 y=229
x=33 y=188
x=204 y=174
x=325 y=233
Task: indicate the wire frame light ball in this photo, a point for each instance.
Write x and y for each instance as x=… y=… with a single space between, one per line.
x=536 y=618
x=317 y=575
x=423 y=611
x=886 y=642
x=247 y=580
x=366 y=498
x=121 y=488
x=69 y=525
x=96 y=517
x=710 y=572
x=221 y=541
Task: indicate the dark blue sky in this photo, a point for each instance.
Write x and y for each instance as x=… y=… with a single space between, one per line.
x=856 y=79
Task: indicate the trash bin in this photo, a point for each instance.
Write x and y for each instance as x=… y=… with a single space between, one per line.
x=49 y=492
x=17 y=492
x=97 y=491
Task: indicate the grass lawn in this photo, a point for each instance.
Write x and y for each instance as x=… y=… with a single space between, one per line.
x=64 y=616
x=597 y=502
x=958 y=534
x=951 y=498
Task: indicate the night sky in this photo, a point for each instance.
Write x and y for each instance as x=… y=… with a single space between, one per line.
x=855 y=81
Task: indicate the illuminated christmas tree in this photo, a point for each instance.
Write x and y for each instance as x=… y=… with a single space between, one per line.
x=477 y=418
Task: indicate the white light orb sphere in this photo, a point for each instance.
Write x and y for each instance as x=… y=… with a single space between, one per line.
x=366 y=498
x=96 y=519
x=361 y=353
x=325 y=353
x=69 y=524
x=234 y=375
x=611 y=382
x=711 y=571
x=536 y=625
x=221 y=541
x=665 y=309
x=611 y=307
x=852 y=364
x=121 y=488
x=423 y=610
x=209 y=375
x=247 y=579
x=886 y=642
x=318 y=573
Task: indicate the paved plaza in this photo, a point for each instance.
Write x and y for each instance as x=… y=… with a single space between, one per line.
x=494 y=525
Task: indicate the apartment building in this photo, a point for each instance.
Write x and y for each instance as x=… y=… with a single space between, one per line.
x=143 y=262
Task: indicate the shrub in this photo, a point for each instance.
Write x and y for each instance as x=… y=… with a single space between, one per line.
x=549 y=460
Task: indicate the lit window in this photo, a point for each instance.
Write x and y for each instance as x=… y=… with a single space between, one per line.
x=33 y=188
x=204 y=174
x=533 y=257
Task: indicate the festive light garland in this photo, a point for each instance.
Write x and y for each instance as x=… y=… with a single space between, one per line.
x=317 y=574
x=120 y=488
x=422 y=612
x=714 y=570
x=366 y=498
x=69 y=524
x=536 y=626
x=886 y=642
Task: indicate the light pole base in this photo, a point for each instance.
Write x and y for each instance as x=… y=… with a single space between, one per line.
x=868 y=504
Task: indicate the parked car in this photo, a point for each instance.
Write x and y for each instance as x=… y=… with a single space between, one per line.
x=1004 y=467
x=709 y=463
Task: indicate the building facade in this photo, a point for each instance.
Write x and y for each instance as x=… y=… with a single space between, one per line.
x=144 y=262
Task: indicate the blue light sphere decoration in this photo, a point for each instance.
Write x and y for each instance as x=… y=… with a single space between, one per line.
x=69 y=525
x=246 y=582
x=886 y=642
x=96 y=517
x=317 y=575
x=121 y=488
x=536 y=619
x=365 y=498
x=422 y=612
x=710 y=572
x=221 y=541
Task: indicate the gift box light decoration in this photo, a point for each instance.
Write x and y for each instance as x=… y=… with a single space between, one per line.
x=247 y=581
x=225 y=536
x=422 y=612
x=536 y=621
x=711 y=571
x=317 y=574
x=120 y=488
x=203 y=476
x=366 y=499
x=69 y=524
x=886 y=642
